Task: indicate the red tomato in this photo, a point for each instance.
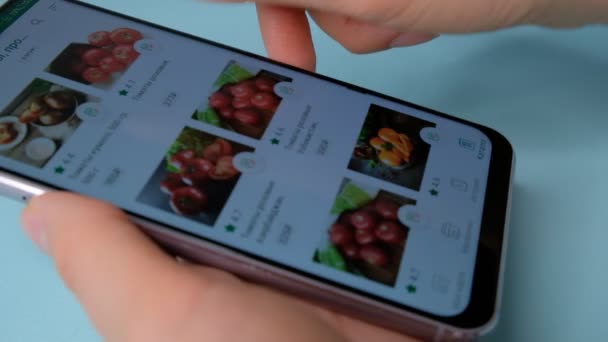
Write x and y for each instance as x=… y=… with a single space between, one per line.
x=364 y=237
x=111 y=64
x=100 y=38
x=179 y=159
x=265 y=101
x=351 y=251
x=225 y=145
x=95 y=75
x=387 y=209
x=217 y=149
x=265 y=83
x=226 y=88
x=196 y=171
x=220 y=100
x=241 y=102
x=125 y=36
x=247 y=116
x=227 y=113
x=212 y=152
x=390 y=232
x=341 y=235
x=171 y=182
x=188 y=201
x=224 y=169
x=363 y=220
x=94 y=56
x=345 y=218
x=125 y=54
x=374 y=255
x=242 y=89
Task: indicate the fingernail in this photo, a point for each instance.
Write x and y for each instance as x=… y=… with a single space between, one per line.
x=409 y=39
x=35 y=228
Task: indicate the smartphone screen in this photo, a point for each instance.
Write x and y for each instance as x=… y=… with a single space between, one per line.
x=378 y=196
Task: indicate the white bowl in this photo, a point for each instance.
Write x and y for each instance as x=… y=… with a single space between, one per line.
x=40 y=148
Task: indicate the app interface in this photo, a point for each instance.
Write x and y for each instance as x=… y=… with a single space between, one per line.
x=374 y=195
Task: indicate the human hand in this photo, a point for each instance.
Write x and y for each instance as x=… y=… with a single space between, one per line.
x=365 y=26
x=132 y=291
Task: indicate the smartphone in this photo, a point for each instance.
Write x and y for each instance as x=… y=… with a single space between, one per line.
x=378 y=208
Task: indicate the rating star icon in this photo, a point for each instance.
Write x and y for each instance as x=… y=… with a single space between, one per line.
x=123 y=92
x=230 y=228
x=59 y=170
x=434 y=192
x=411 y=288
x=275 y=141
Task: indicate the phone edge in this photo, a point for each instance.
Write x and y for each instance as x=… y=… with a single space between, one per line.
x=291 y=283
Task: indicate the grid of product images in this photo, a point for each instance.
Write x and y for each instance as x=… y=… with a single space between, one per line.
x=196 y=175
x=364 y=236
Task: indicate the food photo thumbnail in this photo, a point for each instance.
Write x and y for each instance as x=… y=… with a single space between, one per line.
x=364 y=236
x=195 y=177
x=243 y=99
x=389 y=147
x=100 y=59
x=39 y=121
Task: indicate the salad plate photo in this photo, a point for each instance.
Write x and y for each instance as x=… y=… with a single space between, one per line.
x=39 y=120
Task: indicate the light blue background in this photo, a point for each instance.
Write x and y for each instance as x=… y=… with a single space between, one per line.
x=547 y=91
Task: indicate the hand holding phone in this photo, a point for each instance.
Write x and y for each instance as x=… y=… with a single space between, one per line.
x=370 y=206
x=137 y=292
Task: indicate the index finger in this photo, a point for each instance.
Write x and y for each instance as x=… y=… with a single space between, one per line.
x=431 y=16
x=287 y=36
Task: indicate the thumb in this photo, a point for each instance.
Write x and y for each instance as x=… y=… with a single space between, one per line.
x=115 y=271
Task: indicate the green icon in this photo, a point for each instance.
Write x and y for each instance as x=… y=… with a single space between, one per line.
x=59 y=170
x=123 y=92
x=434 y=192
x=230 y=228
x=275 y=141
x=411 y=288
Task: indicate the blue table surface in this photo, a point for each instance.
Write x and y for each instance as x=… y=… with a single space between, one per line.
x=546 y=90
